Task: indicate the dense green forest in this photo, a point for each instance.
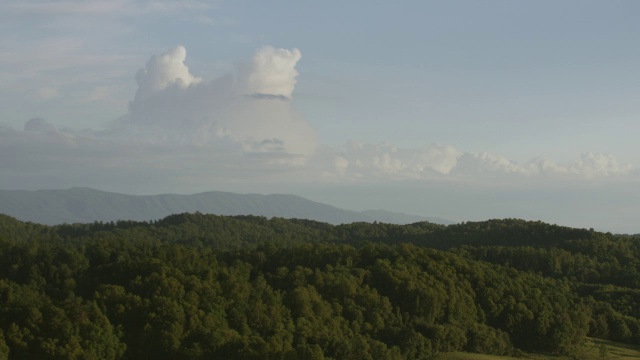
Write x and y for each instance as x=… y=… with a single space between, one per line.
x=195 y=286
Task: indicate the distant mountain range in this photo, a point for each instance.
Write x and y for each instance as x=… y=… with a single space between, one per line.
x=86 y=205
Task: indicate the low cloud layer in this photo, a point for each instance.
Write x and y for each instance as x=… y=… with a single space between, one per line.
x=386 y=161
x=183 y=133
x=586 y=166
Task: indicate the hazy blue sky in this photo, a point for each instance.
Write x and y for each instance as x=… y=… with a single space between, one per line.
x=460 y=109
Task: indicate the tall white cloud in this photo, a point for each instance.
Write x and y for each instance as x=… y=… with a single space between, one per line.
x=272 y=72
x=163 y=71
x=173 y=104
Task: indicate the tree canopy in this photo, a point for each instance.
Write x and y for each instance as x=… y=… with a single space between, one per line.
x=194 y=286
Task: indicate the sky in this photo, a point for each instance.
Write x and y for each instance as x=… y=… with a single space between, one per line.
x=461 y=109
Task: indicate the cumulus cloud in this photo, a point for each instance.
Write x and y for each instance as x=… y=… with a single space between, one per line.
x=272 y=72
x=178 y=126
x=172 y=104
x=165 y=70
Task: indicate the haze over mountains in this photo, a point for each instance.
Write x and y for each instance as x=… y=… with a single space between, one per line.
x=85 y=205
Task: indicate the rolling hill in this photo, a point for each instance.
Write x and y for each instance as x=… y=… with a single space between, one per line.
x=85 y=205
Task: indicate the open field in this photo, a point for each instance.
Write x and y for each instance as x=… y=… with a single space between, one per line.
x=468 y=356
x=594 y=349
x=601 y=349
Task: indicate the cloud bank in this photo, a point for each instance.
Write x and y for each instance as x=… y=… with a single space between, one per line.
x=386 y=161
x=183 y=133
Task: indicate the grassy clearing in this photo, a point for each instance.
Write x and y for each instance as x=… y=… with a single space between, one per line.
x=468 y=356
x=593 y=349
x=596 y=349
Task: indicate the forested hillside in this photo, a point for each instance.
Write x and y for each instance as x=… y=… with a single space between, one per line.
x=196 y=286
